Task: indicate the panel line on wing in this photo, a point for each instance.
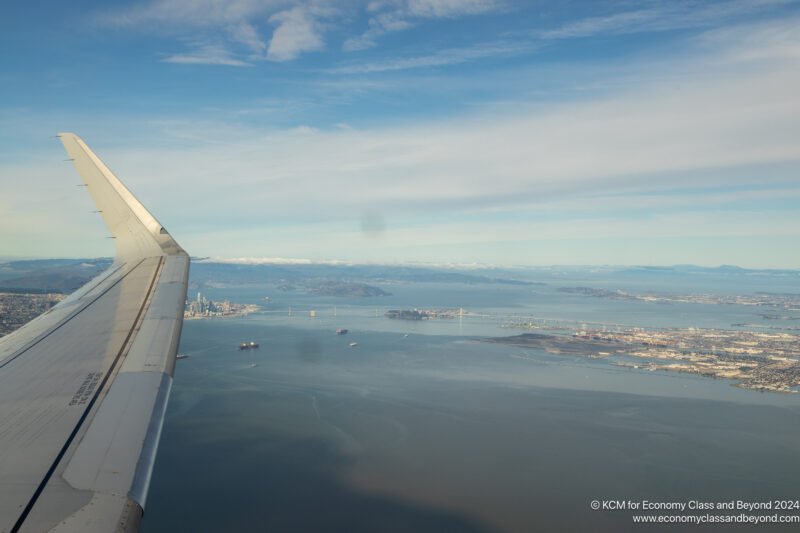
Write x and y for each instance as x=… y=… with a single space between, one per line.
x=123 y=349
x=70 y=317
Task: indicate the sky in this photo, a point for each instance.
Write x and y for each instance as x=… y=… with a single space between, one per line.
x=484 y=132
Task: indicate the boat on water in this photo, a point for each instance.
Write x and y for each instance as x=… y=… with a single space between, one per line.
x=248 y=345
x=181 y=356
x=341 y=331
x=353 y=344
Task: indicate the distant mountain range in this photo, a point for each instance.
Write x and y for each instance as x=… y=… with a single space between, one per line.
x=49 y=275
x=66 y=275
x=235 y=273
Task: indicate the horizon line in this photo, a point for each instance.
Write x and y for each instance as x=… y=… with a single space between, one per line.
x=291 y=261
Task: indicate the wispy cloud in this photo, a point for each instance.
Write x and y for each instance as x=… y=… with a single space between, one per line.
x=451 y=8
x=653 y=17
x=266 y=29
x=677 y=129
x=662 y=17
x=379 y=24
x=251 y=30
x=207 y=54
x=398 y=15
x=772 y=41
x=715 y=119
x=673 y=127
x=245 y=34
x=297 y=31
x=178 y=14
x=616 y=23
x=451 y=56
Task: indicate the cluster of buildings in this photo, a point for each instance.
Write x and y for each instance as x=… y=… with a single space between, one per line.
x=762 y=361
x=203 y=307
x=17 y=309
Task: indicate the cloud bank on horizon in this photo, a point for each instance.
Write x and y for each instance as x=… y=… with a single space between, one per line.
x=471 y=130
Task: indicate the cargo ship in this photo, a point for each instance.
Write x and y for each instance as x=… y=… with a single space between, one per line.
x=248 y=345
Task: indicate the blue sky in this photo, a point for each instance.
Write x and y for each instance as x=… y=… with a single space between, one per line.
x=434 y=131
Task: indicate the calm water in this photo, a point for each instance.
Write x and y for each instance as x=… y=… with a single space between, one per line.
x=421 y=427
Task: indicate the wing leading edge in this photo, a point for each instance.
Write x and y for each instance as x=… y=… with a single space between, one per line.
x=84 y=387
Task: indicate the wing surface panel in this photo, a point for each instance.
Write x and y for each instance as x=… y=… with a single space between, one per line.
x=84 y=387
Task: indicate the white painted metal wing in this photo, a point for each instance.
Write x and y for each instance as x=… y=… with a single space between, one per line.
x=84 y=387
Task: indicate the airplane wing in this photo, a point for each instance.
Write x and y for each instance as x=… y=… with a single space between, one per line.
x=84 y=387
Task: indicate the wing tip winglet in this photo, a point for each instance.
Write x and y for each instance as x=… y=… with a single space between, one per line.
x=136 y=230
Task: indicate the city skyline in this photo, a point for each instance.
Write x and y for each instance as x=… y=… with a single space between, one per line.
x=483 y=132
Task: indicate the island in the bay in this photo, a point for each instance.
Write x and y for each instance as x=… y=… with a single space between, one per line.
x=342 y=289
x=423 y=314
